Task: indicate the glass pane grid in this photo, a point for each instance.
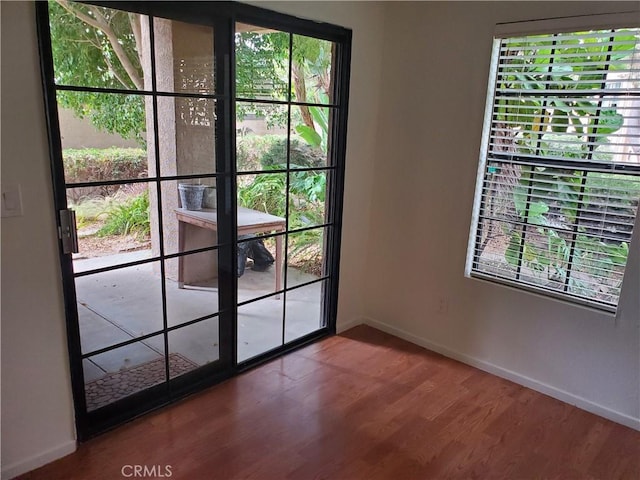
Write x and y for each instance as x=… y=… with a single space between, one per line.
x=283 y=144
x=184 y=102
x=123 y=301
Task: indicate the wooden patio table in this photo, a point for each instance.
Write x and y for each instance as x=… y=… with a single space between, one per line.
x=249 y=221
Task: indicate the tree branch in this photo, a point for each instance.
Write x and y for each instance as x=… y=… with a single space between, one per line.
x=115 y=73
x=96 y=44
x=117 y=48
x=78 y=14
x=101 y=24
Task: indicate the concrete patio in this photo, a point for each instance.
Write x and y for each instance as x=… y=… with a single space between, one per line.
x=124 y=304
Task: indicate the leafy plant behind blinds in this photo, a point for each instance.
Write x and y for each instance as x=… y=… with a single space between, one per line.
x=562 y=172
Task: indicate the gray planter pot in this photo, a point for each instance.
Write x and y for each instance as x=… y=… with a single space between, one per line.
x=191 y=196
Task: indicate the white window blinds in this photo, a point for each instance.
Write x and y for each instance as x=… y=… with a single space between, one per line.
x=560 y=165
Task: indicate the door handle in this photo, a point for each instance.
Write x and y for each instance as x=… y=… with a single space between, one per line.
x=67 y=231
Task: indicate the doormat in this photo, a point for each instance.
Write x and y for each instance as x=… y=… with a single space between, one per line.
x=120 y=384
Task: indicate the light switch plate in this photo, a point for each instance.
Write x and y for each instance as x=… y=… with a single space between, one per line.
x=11 y=201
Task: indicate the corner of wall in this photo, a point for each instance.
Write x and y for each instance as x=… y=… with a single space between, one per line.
x=425 y=164
x=541 y=387
x=354 y=322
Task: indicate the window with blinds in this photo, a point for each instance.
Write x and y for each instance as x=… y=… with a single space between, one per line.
x=559 y=178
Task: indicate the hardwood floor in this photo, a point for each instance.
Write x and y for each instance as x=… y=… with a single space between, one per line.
x=361 y=405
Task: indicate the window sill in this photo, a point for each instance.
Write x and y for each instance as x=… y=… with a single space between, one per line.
x=608 y=311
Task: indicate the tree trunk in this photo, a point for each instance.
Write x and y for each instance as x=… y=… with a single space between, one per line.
x=136 y=28
x=297 y=76
x=499 y=189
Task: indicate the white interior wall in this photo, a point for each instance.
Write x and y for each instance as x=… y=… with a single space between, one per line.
x=436 y=66
x=37 y=408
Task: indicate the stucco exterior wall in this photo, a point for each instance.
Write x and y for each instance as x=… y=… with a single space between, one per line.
x=80 y=133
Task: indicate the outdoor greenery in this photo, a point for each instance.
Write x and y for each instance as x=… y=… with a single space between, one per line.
x=98 y=164
x=99 y=47
x=257 y=152
x=122 y=213
x=128 y=217
x=115 y=209
x=262 y=71
x=267 y=54
x=89 y=211
x=307 y=195
x=559 y=126
x=318 y=135
x=266 y=193
x=262 y=67
x=301 y=154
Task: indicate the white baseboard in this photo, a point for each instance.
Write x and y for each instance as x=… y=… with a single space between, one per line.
x=515 y=377
x=31 y=463
x=344 y=326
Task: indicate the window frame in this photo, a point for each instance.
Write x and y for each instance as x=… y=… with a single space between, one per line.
x=523 y=29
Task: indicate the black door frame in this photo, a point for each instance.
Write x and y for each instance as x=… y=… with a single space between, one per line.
x=222 y=16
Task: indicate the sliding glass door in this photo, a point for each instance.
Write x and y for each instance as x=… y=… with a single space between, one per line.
x=285 y=113
x=197 y=158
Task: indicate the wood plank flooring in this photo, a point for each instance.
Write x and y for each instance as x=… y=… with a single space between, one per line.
x=361 y=405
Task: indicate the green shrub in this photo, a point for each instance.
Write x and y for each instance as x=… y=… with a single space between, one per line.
x=129 y=217
x=305 y=251
x=250 y=149
x=89 y=210
x=100 y=164
x=258 y=152
x=301 y=155
x=265 y=193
